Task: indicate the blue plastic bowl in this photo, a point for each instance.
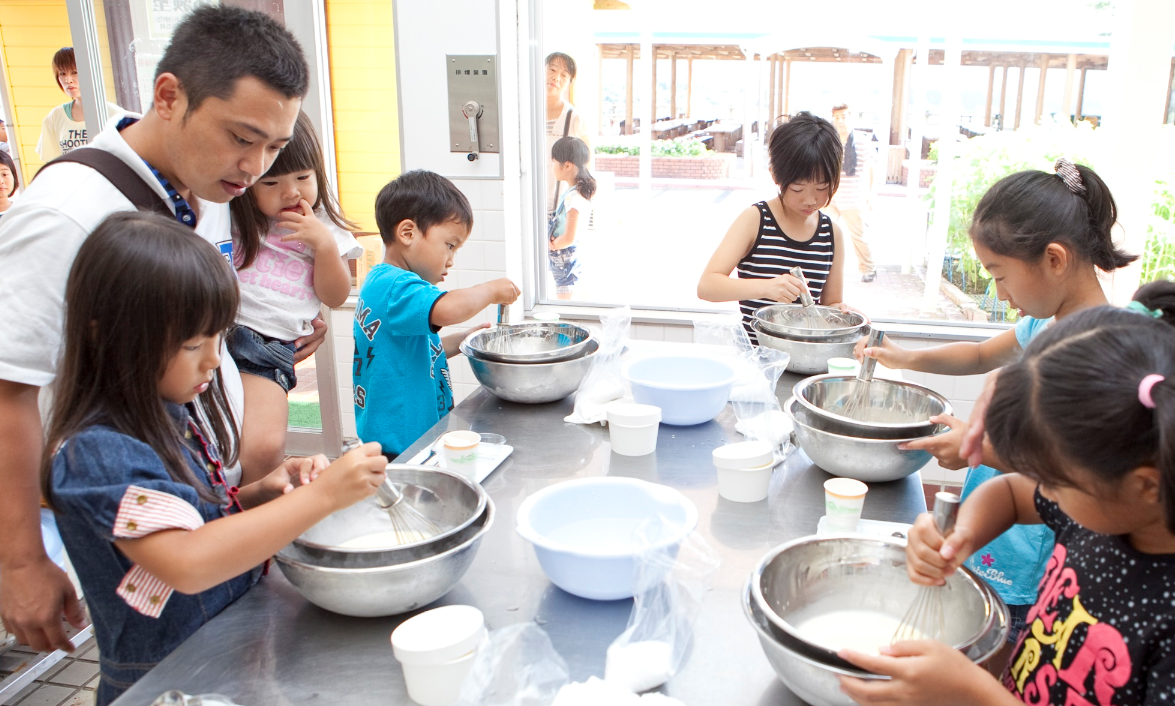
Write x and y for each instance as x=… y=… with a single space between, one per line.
x=688 y=389
x=587 y=533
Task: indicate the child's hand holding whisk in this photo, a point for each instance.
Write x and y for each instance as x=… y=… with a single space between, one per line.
x=930 y=558
x=888 y=354
x=354 y=476
x=783 y=289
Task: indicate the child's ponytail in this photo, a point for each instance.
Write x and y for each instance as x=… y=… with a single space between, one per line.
x=1021 y=214
x=575 y=150
x=585 y=183
x=1160 y=393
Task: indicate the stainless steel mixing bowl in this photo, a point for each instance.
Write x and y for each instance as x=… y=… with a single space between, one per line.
x=530 y=342
x=450 y=500
x=387 y=590
x=813 y=576
x=869 y=460
x=809 y=357
x=790 y=321
x=532 y=383
x=891 y=409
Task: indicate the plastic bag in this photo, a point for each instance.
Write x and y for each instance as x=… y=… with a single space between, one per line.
x=670 y=583
x=603 y=383
x=757 y=373
x=179 y=698
x=517 y=666
x=596 y=692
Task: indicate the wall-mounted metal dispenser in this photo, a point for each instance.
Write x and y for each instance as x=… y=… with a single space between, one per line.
x=473 y=105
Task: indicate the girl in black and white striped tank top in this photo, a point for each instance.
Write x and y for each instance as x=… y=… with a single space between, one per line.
x=774 y=254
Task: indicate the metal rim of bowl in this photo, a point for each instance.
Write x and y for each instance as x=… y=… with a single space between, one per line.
x=483 y=499
x=531 y=535
x=802 y=385
x=827 y=654
x=490 y=512
x=791 y=402
x=807 y=334
x=852 y=337
x=553 y=356
x=625 y=372
x=588 y=352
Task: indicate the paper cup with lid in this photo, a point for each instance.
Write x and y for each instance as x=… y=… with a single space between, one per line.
x=461 y=451
x=436 y=650
x=843 y=366
x=632 y=428
x=844 y=499
x=744 y=470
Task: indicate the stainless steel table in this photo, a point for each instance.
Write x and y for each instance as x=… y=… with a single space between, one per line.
x=273 y=647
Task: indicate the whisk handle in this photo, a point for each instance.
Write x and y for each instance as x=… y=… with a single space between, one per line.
x=805 y=293
x=869 y=364
x=946 y=511
x=388 y=494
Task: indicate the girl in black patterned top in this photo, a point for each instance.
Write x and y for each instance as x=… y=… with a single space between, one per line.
x=771 y=237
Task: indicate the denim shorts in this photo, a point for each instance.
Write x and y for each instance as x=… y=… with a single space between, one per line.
x=1019 y=615
x=263 y=356
x=564 y=268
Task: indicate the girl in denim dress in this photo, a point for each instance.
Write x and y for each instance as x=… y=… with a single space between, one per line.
x=569 y=158
x=138 y=439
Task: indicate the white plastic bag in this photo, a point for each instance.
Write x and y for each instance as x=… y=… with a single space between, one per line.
x=179 y=698
x=517 y=666
x=670 y=583
x=603 y=383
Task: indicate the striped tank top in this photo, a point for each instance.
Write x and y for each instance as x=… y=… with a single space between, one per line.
x=775 y=254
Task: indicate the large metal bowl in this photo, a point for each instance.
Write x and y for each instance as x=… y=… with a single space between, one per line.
x=532 y=383
x=530 y=342
x=813 y=576
x=386 y=590
x=819 y=684
x=869 y=460
x=450 y=500
x=891 y=409
x=809 y=357
x=790 y=321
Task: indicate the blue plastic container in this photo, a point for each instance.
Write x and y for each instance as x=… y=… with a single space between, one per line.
x=688 y=389
x=587 y=533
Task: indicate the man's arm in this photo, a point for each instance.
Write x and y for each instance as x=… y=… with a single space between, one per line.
x=34 y=593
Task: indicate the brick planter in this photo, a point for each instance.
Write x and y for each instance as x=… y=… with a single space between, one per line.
x=708 y=167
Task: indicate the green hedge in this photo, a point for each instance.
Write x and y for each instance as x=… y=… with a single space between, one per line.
x=661 y=148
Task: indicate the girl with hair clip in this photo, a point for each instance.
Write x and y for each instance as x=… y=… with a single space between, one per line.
x=771 y=237
x=1043 y=237
x=1087 y=418
x=292 y=244
x=9 y=182
x=569 y=160
x=131 y=466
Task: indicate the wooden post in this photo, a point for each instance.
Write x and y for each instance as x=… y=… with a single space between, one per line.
x=653 y=91
x=628 y=94
x=787 y=87
x=673 y=85
x=599 y=89
x=990 y=89
x=779 y=107
x=1004 y=98
x=1044 y=69
x=771 y=92
x=901 y=96
x=1081 y=96
x=1020 y=95
x=1070 y=69
x=689 y=88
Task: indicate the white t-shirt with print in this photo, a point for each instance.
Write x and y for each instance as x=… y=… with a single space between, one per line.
x=39 y=238
x=277 y=289
x=61 y=134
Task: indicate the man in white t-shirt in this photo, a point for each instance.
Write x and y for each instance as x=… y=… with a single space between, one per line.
x=227 y=92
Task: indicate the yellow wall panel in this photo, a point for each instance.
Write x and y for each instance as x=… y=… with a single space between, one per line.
x=30 y=32
x=364 y=99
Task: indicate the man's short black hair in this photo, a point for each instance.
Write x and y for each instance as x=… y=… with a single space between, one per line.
x=214 y=47
x=421 y=196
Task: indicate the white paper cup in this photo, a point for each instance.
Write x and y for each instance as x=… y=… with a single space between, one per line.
x=632 y=428
x=461 y=451
x=745 y=485
x=843 y=500
x=436 y=649
x=843 y=366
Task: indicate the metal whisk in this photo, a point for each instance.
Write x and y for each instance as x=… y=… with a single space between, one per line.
x=925 y=618
x=810 y=315
x=408 y=524
x=858 y=400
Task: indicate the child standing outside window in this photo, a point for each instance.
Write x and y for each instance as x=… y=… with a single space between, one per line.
x=9 y=182
x=292 y=244
x=771 y=237
x=160 y=543
x=64 y=128
x=401 y=373
x=569 y=159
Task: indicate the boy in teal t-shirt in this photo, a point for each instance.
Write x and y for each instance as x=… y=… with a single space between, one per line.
x=401 y=370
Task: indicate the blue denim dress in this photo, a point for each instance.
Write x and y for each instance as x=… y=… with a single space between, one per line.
x=91 y=476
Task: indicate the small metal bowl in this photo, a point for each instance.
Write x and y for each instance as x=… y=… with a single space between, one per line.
x=891 y=409
x=789 y=321
x=815 y=575
x=532 y=383
x=530 y=342
x=869 y=460
x=809 y=357
x=450 y=500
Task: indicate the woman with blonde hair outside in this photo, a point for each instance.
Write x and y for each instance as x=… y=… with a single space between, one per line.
x=562 y=118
